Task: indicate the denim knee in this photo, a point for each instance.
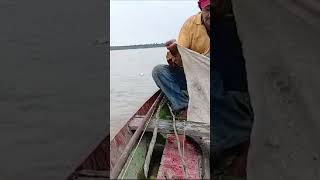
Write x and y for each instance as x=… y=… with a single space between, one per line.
x=159 y=70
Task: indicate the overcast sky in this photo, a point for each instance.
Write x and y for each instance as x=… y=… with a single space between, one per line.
x=153 y=21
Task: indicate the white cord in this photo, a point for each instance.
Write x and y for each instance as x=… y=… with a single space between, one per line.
x=153 y=139
x=184 y=136
x=185 y=169
x=145 y=128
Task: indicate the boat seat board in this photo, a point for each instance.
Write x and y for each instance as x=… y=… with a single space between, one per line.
x=171 y=166
x=193 y=129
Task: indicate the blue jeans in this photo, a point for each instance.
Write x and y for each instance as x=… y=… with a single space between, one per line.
x=231 y=112
x=173 y=83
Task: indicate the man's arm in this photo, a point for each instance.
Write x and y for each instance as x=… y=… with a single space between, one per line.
x=184 y=38
x=169 y=56
x=173 y=56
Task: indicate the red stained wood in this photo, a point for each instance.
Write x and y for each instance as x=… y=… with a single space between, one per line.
x=119 y=142
x=171 y=165
x=116 y=169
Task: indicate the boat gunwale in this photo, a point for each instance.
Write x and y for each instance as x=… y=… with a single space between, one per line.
x=147 y=110
x=104 y=146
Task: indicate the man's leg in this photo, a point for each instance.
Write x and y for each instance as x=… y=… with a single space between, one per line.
x=232 y=114
x=231 y=119
x=173 y=84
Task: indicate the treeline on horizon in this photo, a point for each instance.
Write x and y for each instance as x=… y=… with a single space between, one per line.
x=140 y=46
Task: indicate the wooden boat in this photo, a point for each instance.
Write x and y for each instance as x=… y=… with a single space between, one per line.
x=130 y=149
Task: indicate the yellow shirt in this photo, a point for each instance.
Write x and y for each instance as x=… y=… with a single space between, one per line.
x=193 y=35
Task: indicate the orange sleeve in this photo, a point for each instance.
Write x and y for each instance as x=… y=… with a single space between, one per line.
x=184 y=38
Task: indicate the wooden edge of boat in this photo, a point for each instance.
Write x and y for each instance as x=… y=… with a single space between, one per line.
x=122 y=144
x=198 y=132
x=97 y=163
x=103 y=161
x=124 y=134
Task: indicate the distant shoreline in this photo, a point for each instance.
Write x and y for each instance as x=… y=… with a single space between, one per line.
x=140 y=46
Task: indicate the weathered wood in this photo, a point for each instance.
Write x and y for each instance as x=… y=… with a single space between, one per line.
x=193 y=129
x=123 y=158
x=90 y=178
x=171 y=164
x=93 y=173
x=99 y=159
x=118 y=145
x=136 y=121
x=134 y=169
x=205 y=148
x=150 y=149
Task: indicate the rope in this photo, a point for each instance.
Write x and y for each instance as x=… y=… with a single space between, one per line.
x=135 y=149
x=153 y=140
x=185 y=170
x=184 y=136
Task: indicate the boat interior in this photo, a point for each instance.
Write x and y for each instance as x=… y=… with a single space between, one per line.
x=162 y=135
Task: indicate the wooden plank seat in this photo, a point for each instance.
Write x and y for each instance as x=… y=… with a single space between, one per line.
x=193 y=129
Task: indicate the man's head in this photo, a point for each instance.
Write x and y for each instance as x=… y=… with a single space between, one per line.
x=204 y=5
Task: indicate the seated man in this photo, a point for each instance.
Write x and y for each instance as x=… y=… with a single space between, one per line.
x=193 y=35
x=232 y=114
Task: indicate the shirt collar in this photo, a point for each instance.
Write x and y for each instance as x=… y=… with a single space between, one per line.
x=198 y=19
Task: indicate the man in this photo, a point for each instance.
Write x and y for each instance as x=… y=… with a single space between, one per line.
x=231 y=115
x=193 y=35
x=281 y=41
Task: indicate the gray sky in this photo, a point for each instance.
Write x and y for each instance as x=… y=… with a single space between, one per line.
x=141 y=21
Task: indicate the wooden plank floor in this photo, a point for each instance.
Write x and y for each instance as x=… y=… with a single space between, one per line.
x=171 y=165
x=135 y=169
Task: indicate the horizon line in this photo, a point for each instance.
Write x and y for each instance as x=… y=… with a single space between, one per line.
x=137 y=44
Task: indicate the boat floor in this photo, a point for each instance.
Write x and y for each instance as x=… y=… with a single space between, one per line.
x=171 y=166
x=166 y=162
x=196 y=130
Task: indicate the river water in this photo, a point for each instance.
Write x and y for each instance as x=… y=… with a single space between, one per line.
x=131 y=82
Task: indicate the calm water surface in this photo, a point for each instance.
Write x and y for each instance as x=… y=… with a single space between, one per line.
x=131 y=83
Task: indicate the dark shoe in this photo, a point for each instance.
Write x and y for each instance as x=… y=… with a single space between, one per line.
x=181 y=114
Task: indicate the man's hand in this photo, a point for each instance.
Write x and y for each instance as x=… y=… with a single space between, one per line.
x=171 y=63
x=168 y=43
x=177 y=60
x=173 y=49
